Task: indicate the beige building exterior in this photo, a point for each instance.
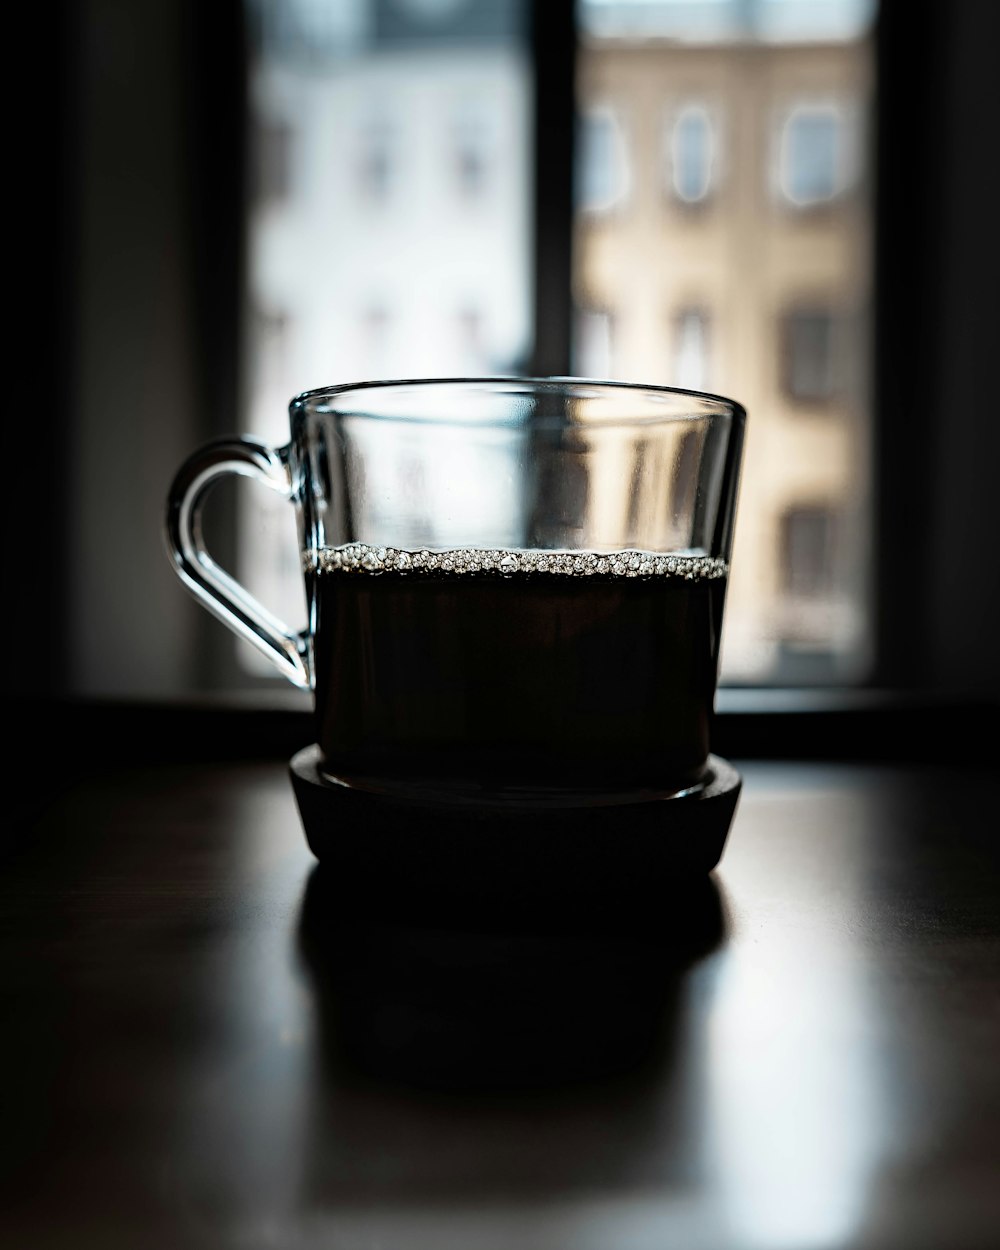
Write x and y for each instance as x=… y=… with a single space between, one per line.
x=722 y=243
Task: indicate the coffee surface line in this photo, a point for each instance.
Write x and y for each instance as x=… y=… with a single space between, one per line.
x=366 y=558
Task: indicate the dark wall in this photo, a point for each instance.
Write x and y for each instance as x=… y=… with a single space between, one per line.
x=938 y=281
x=142 y=151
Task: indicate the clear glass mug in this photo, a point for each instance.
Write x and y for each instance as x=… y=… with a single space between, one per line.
x=514 y=585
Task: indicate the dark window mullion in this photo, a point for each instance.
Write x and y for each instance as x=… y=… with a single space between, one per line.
x=553 y=40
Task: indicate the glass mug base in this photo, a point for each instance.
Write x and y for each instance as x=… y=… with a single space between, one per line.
x=456 y=792
x=446 y=854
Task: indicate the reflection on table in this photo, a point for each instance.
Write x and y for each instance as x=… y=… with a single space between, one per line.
x=214 y=1044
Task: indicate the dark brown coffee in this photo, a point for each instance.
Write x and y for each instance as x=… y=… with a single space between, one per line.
x=514 y=670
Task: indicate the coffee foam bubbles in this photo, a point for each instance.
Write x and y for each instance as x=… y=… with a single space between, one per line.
x=363 y=558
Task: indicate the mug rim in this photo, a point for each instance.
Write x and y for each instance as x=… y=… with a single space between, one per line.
x=726 y=406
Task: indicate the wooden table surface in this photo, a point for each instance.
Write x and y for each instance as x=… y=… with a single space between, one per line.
x=203 y=1047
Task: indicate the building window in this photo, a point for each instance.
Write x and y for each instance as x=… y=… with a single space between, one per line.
x=808 y=551
x=691 y=155
x=269 y=333
x=376 y=330
x=810 y=356
x=592 y=343
x=471 y=347
x=602 y=169
x=811 y=162
x=377 y=158
x=474 y=142
x=690 y=357
x=272 y=162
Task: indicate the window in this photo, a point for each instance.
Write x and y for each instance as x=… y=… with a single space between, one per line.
x=316 y=258
x=272 y=167
x=377 y=157
x=816 y=610
x=691 y=155
x=376 y=328
x=811 y=163
x=691 y=349
x=471 y=347
x=602 y=170
x=593 y=338
x=474 y=148
x=810 y=373
x=808 y=543
x=270 y=349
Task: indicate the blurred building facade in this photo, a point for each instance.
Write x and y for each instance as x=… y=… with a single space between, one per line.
x=722 y=243
x=389 y=231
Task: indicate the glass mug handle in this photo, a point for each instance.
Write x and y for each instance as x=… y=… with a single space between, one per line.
x=287 y=649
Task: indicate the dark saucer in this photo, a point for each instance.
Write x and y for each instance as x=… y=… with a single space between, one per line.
x=422 y=849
